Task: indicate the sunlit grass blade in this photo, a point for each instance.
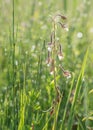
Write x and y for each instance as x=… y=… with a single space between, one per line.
x=22 y=102
x=22 y=111
x=13 y=62
x=80 y=126
x=78 y=87
x=65 y=110
x=86 y=105
x=74 y=5
x=56 y=116
x=46 y=124
x=65 y=5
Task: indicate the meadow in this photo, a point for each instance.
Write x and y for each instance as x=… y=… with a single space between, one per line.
x=46 y=65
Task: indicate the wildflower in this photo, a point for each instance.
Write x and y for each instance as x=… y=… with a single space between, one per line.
x=67 y=74
x=66 y=29
x=49 y=49
x=48 y=62
x=49 y=46
x=54 y=51
x=52 y=71
x=60 y=56
x=61 y=16
x=64 y=26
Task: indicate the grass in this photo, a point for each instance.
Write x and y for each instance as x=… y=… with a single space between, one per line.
x=77 y=91
x=30 y=97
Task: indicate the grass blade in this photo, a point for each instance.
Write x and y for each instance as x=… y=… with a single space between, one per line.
x=78 y=87
x=65 y=110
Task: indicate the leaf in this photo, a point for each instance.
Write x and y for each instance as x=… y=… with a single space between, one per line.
x=91 y=91
x=87 y=118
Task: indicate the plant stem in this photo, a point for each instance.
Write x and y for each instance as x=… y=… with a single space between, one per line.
x=54 y=52
x=65 y=5
x=54 y=65
x=13 y=47
x=65 y=110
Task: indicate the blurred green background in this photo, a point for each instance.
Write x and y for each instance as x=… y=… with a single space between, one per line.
x=25 y=82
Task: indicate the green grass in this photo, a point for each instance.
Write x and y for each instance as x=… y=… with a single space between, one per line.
x=27 y=90
x=77 y=92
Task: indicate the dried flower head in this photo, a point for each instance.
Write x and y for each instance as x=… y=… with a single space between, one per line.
x=66 y=73
x=54 y=51
x=64 y=26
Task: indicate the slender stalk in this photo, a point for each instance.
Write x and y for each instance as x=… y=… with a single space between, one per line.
x=86 y=104
x=65 y=110
x=56 y=115
x=54 y=52
x=33 y=7
x=74 y=6
x=13 y=59
x=65 y=5
x=54 y=65
x=46 y=123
